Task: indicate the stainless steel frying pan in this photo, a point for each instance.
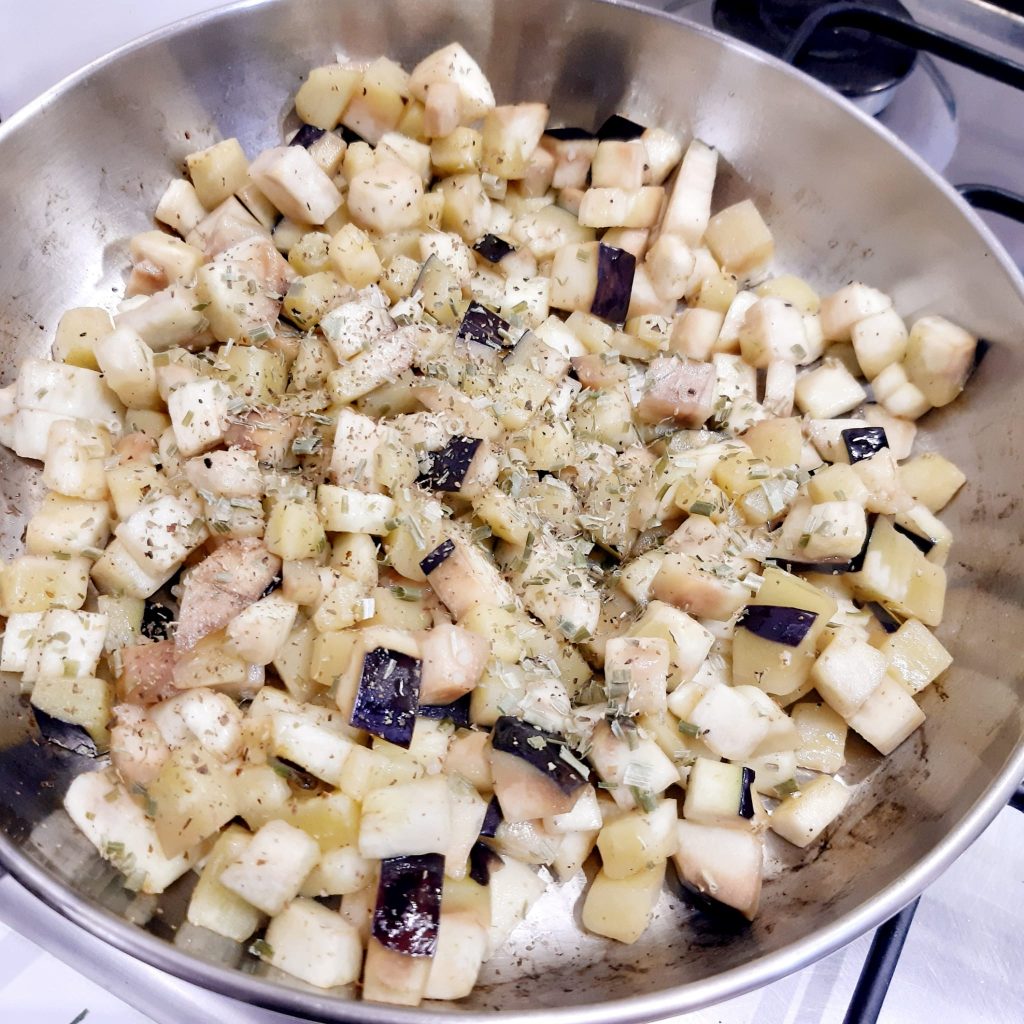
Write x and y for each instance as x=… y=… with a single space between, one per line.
x=80 y=171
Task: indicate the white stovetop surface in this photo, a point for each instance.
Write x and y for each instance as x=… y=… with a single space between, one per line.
x=964 y=959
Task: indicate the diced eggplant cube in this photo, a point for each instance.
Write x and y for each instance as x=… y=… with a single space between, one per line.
x=408 y=910
x=886 y=619
x=855 y=564
x=863 y=442
x=493 y=249
x=619 y=127
x=156 y=621
x=492 y=819
x=568 y=134
x=718 y=793
x=531 y=777
x=306 y=136
x=388 y=695
x=923 y=544
x=457 y=711
x=724 y=864
x=454 y=659
x=539 y=748
x=746 y=800
x=615 y=270
x=786 y=626
x=437 y=556
x=483 y=326
x=449 y=466
x=68 y=735
x=482 y=860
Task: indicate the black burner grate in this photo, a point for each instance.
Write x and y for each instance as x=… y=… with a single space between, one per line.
x=853 y=61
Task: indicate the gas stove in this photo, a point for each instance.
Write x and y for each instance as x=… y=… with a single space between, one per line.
x=956 y=955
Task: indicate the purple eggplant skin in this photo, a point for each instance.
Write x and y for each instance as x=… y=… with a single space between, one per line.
x=482 y=860
x=306 y=136
x=855 y=564
x=493 y=249
x=448 y=467
x=775 y=622
x=980 y=351
x=483 y=326
x=569 y=134
x=615 y=270
x=457 y=711
x=68 y=735
x=886 y=619
x=274 y=584
x=349 y=136
x=923 y=544
x=746 y=807
x=492 y=819
x=156 y=621
x=437 y=556
x=408 y=910
x=540 y=749
x=620 y=128
x=388 y=695
x=714 y=921
x=863 y=442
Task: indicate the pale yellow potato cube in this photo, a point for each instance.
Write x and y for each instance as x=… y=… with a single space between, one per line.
x=77 y=333
x=294 y=531
x=36 y=583
x=792 y=289
x=323 y=97
x=218 y=172
x=931 y=479
x=621 y=908
x=638 y=841
x=739 y=238
x=804 y=815
x=915 y=656
x=822 y=737
x=353 y=256
x=888 y=716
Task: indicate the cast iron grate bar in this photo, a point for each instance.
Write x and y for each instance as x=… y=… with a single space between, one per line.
x=906 y=30
x=1017 y=800
x=875 y=976
x=998 y=200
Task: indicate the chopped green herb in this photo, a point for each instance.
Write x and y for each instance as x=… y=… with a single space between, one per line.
x=644 y=799
x=307 y=445
x=573 y=761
